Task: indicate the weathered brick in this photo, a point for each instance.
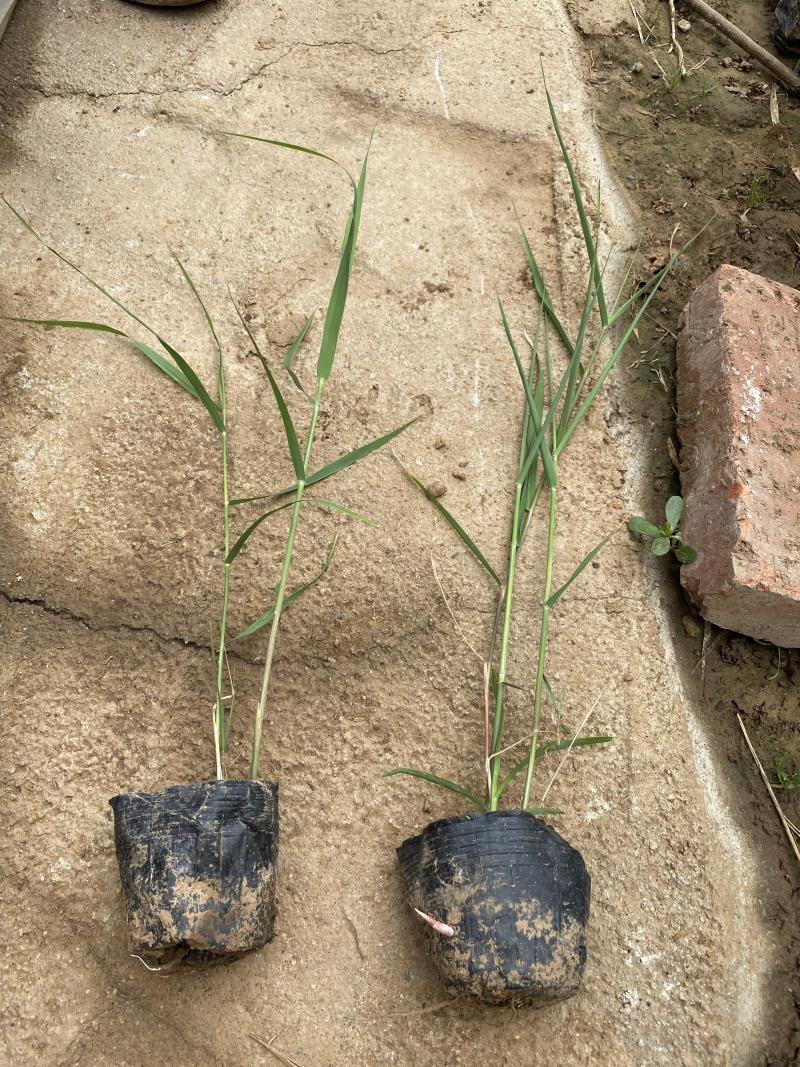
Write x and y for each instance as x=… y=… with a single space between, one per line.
x=739 y=428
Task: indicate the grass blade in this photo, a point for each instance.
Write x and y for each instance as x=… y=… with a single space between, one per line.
x=77 y=269
x=581 y=566
x=250 y=499
x=552 y=746
x=200 y=390
x=242 y=540
x=541 y=289
x=456 y=525
x=163 y=365
x=575 y=368
x=290 y=599
x=533 y=367
x=199 y=300
x=295 y=148
x=288 y=425
x=577 y=742
x=434 y=779
x=288 y=359
x=69 y=323
x=544 y=811
x=550 y=472
x=659 y=276
x=338 y=297
x=343 y=462
x=586 y=228
x=612 y=359
x=345 y=511
x=197 y=387
x=245 y=324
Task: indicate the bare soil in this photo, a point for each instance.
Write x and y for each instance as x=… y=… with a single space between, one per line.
x=699 y=152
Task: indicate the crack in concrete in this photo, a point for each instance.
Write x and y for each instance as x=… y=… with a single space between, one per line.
x=303 y=655
x=67 y=94
x=118 y=627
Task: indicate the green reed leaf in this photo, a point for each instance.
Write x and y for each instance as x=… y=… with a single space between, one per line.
x=290 y=598
x=434 y=779
x=347 y=460
x=551 y=600
x=332 y=505
x=586 y=228
x=288 y=426
x=242 y=540
x=456 y=525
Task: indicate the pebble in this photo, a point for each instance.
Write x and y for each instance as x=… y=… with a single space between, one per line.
x=684 y=25
x=437 y=489
x=637 y=68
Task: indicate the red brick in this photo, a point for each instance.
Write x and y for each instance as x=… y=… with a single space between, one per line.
x=739 y=428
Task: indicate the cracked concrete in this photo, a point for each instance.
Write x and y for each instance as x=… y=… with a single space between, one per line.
x=63 y=613
x=110 y=551
x=66 y=93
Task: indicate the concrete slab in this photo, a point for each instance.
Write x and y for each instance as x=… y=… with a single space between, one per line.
x=111 y=144
x=6 y=7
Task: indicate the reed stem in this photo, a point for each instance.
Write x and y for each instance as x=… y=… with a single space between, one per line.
x=281 y=594
x=540 y=665
x=220 y=736
x=508 y=600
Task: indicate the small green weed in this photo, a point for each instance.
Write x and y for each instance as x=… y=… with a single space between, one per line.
x=666 y=538
x=786 y=772
x=756 y=197
x=673 y=79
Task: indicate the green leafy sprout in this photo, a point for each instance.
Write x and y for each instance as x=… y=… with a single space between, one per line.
x=755 y=194
x=787 y=772
x=552 y=411
x=668 y=537
x=166 y=359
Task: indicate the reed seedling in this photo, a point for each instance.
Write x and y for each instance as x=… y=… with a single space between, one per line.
x=303 y=491
x=554 y=407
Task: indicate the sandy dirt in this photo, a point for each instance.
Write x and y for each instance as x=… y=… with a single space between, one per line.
x=110 y=141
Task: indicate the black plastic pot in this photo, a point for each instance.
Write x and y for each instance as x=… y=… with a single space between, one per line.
x=198 y=866
x=517 y=897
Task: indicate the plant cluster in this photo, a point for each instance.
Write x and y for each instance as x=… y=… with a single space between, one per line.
x=554 y=408
x=307 y=479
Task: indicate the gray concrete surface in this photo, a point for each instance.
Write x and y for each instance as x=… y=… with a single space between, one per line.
x=111 y=143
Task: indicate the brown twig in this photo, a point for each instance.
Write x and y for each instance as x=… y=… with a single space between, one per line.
x=674 y=38
x=286 y=1060
x=787 y=829
x=783 y=73
x=775 y=119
